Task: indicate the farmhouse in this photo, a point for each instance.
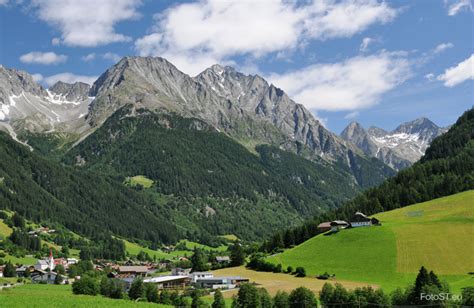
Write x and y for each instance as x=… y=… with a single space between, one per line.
x=200 y=275
x=221 y=282
x=360 y=220
x=338 y=225
x=169 y=282
x=39 y=276
x=324 y=226
x=131 y=271
x=222 y=259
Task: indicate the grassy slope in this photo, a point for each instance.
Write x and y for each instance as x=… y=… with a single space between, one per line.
x=36 y=295
x=436 y=234
x=4 y=229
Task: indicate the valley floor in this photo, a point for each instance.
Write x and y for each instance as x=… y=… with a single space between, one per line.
x=274 y=282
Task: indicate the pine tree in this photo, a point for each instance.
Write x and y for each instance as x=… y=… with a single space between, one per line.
x=237 y=255
x=136 y=289
x=218 y=300
x=199 y=261
x=9 y=270
x=281 y=300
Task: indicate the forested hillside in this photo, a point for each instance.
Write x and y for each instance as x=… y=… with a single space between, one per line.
x=44 y=191
x=188 y=158
x=446 y=168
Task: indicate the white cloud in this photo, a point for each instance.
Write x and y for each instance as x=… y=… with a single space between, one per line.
x=355 y=83
x=456 y=6
x=3 y=2
x=55 y=41
x=214 y=30
x=87 y=23
x=111 y=56
x=46 y=58
x=430 y=76
x=366 y=41
x=352 y=115
x=65 y=77
x=442 y=47
x=458 y=74
x=89 y=57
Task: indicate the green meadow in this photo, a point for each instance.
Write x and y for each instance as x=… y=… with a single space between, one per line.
x=437 y=234
x=139 y=180
x=40 y=295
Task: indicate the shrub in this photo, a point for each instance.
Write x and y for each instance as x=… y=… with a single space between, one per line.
x=86 y=285
x=300 y=272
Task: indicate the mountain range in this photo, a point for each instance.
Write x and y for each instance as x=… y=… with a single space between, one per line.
x=223 y=149
x=398 y=148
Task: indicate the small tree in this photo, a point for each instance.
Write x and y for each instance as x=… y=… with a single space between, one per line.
x=326 y=293
x=300 y=272
x=289 y=269
x=197 y=302
x=86 y=285
x=302 y=297
x=281 y=300
x=199 y=261
x=60 y=269
x=237 y=255
x=247 y=297
x=9 y=270
x=165 y=297
x=136 y=289
x=218 y=300
x=151 y=292
x=265 y=299
x=467 y=296
x=58 y=279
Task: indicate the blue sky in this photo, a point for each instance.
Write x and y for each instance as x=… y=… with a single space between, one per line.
x=376 y=62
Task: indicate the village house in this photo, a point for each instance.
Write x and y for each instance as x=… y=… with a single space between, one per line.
x=42 y=265
x=220 y=282
x=2 y=267
x=324 y=226
x=337 y=225
x=360 y=220
x=222 y=259
x=131 y=271
x=38 y=276
x=178 y=271
x=200 y=275
x=169 y=282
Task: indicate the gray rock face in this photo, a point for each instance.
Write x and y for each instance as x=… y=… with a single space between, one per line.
x=26 y=106
x=399 y=148
x=244 y=106
x=77 y=91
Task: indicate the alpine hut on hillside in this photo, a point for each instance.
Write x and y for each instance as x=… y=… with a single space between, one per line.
x=360 y=220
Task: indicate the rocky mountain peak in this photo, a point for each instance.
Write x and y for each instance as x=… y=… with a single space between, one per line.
x=353 y=130
x=398 y=148
x=78 y=91
x=14 y=83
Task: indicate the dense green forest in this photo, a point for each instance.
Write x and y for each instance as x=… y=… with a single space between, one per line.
x=44 y=191
x=446 y=168
x=186 y=157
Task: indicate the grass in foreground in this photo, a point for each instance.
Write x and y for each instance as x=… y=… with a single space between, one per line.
x=436 y=234
x=37 y=295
